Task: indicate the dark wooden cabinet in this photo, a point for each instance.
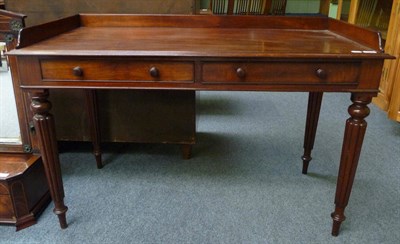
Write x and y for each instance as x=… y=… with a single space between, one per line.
x=24 y=192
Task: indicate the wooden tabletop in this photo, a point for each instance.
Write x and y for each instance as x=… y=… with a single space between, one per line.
x=206 y=36
x=196 y=42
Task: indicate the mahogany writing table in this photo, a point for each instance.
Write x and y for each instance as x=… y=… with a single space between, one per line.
x=229 y=53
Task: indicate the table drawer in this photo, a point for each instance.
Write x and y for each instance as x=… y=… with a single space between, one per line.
x=116 y=70
x=280 y=72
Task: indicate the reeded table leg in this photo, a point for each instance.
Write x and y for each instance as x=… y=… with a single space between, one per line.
x=352 y=143
x=314 y=107
x=94 y=125
x=44 y=125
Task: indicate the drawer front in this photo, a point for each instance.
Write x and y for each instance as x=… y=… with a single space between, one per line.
x=280 y=72
x=117 y=70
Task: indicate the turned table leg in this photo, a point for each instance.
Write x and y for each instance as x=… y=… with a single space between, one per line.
x=314 y=107
x=352 y=143
x=44 y=126
x=94 y=125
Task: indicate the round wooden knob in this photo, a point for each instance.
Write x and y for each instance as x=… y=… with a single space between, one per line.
x=154 y=72
x=77 y=71
x=240 y=72
x=321 y=73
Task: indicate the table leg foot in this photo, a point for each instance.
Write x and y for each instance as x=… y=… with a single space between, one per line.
x=61 y=214
x=337 y=217
x=98 y=160
x=306 y=162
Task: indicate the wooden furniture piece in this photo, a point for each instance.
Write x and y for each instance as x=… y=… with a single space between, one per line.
x=140 y=124
x=383 y=16
x=374 y=14
x=368 y=13
x=42 y=11
x=394 y=107
x=276 y=7
x=10 y=24
x=388 y=98
x=188 y=53
x=248 y=7
x=24 y=193
x=324 y=6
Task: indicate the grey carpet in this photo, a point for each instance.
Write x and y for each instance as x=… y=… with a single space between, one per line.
x=243 y=184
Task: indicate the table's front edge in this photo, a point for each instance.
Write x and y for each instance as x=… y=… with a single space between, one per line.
x=366 y=75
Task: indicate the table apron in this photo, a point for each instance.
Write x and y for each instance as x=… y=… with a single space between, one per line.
x=199 y=74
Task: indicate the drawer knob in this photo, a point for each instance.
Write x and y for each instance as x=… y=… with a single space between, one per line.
x=321 y=73
x=154 y=72
x=240 y=72
x=77 y=71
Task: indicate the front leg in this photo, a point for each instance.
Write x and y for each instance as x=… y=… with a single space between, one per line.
x=352 y=143
x=44 y=126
